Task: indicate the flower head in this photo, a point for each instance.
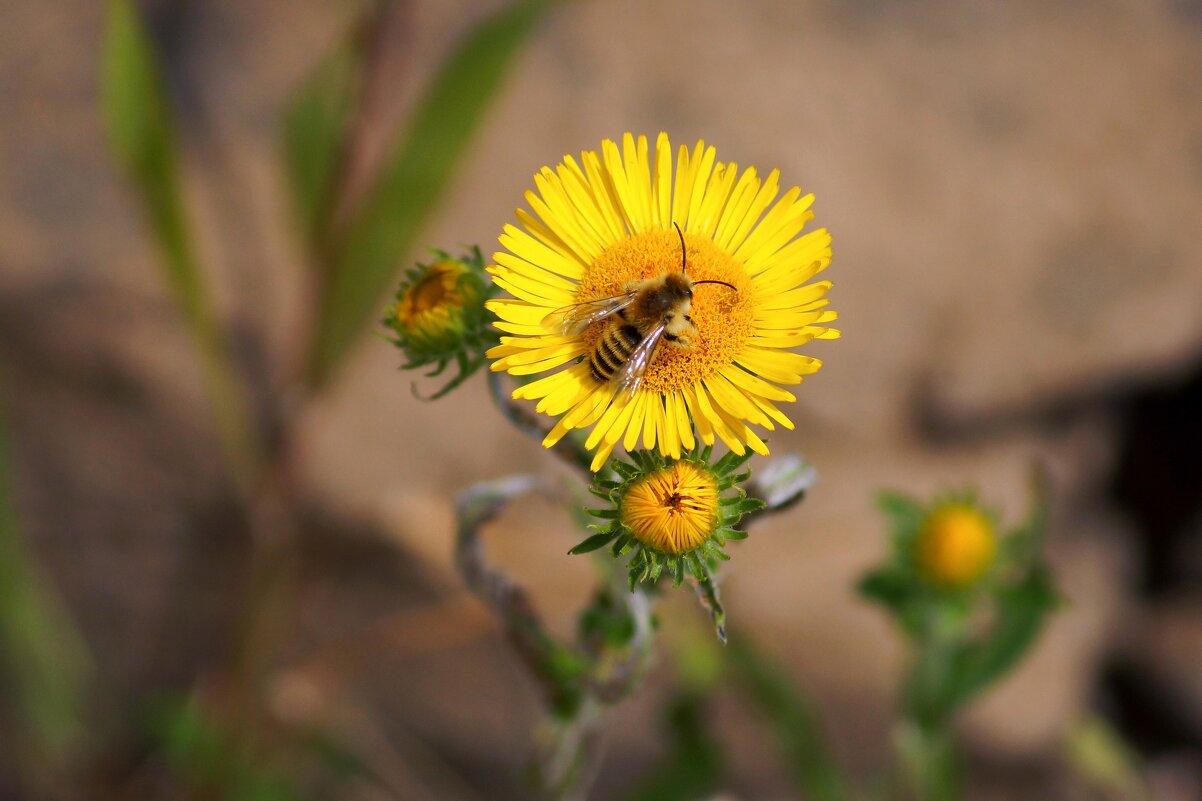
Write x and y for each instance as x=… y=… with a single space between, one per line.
x=603 y=227
x=439 y=315
x=970 y=596
x=956 y=544
x=672 y=513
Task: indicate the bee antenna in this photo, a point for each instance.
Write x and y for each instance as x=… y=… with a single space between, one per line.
x=683 y=264
x=714 y=281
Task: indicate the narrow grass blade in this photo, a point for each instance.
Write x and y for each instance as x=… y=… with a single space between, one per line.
x=316 y=130
x=413 y=180
x=142 y=139
x=42 y=654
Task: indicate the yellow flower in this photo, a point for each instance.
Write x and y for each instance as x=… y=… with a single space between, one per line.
x=673 y=509
x=956 y=544
x=607 y=220
x=672 y=513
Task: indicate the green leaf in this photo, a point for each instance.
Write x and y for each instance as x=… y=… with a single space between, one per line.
x=887 y=585
x=42 y=655
x=622 y=544
x=903 y=511
x=1020 y=615
x=1102 y=760
x=731 y=460
x=793 y=720
x=140 y=134
x=415 y=177
x=316 y=126
x=593 y=543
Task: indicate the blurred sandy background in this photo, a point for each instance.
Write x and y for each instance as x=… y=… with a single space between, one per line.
x=1014 y=190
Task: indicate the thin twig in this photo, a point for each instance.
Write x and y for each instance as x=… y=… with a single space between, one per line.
x=511 y=603
x=707 y=594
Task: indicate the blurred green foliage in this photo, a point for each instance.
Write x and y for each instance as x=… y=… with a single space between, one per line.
x=364 y=259
x=1103 y=761
x=142 y=137
x=694 y=766
x=963 y=637
x=790 y=715
x=317 y=128
x=357 y=246
x=212 y=760
x=43 y=661
x=357 y=249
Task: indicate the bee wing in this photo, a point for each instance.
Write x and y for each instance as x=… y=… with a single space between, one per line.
x=630 y=377
x=572 y=320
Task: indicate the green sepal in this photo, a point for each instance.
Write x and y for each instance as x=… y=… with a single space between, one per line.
x=601 y=491
x=742 y=506
x=623 y=544
x=595 y=542
x=625 y=470
x=731 y=460
x=677 y=567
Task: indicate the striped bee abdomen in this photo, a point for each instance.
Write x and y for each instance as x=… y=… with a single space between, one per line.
x=612 y=351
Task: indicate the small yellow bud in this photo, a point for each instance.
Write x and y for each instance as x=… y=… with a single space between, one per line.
x=673 y=509
x=956 y=545
x=430 y=309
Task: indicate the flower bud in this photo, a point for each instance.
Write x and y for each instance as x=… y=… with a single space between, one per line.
x=956 y=544
x=439 y=315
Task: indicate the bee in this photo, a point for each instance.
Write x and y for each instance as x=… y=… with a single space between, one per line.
x=649 y=311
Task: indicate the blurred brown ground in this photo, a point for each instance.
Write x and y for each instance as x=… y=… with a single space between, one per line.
x=1014 y=192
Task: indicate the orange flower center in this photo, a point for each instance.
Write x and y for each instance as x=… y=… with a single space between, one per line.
x=724 y=317
x=956 y=545
x=674 y=509
x=432 y=295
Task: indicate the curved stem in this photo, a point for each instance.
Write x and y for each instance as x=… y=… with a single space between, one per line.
x=567 y=448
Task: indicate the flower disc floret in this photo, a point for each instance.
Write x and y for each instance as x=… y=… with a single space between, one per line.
x=598 y=224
